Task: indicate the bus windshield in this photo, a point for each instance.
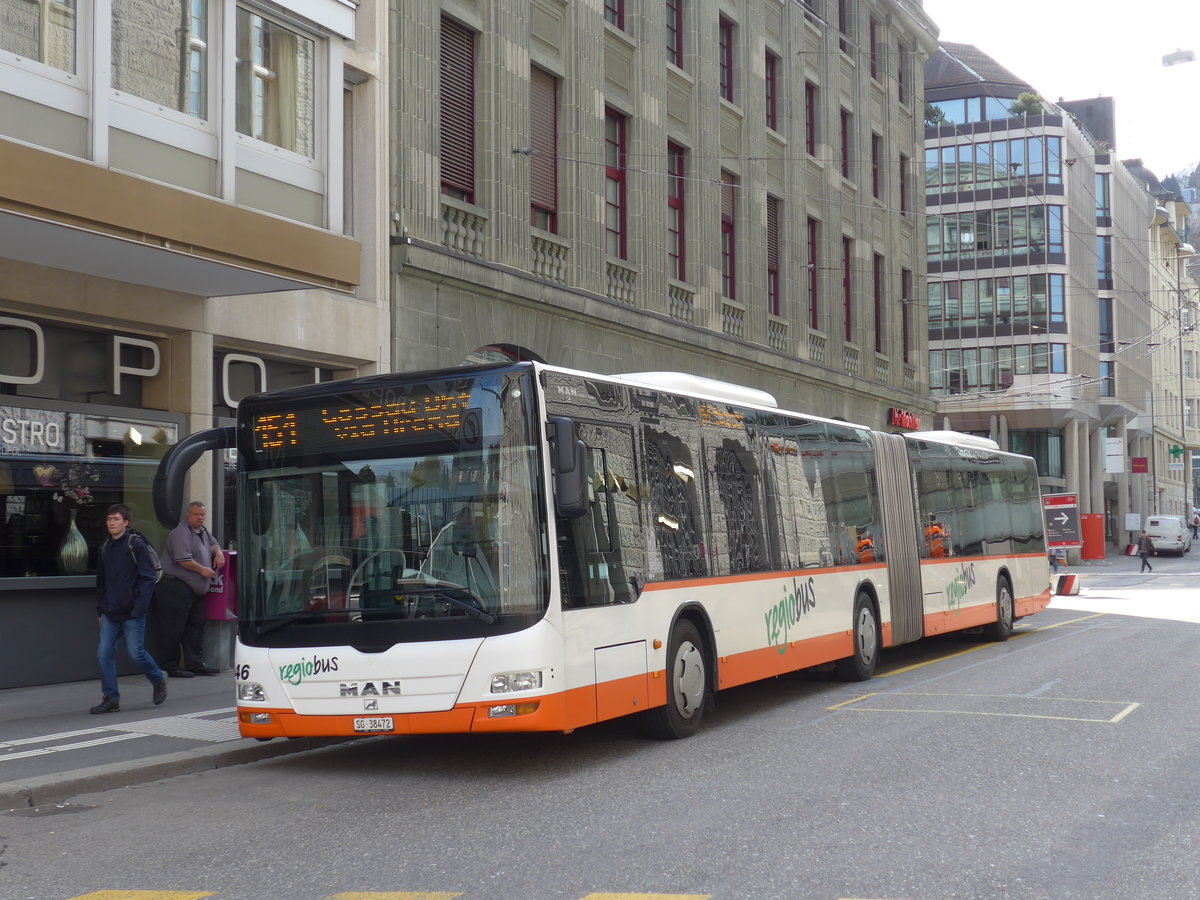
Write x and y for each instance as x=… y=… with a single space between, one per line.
x=415 y=508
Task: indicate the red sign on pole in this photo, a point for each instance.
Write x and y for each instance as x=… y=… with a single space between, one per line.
x=1139 y=464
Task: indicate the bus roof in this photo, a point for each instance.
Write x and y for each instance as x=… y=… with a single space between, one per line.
x=682 y=382
x=958 y=438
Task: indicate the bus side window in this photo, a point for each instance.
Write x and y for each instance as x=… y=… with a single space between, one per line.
x=671 y=475
x=602 y=554
x=815 y=493
x=735 y=508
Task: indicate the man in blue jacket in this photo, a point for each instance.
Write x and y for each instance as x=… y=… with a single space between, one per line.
x=125 y=577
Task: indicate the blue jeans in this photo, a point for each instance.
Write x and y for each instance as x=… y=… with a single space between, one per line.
x=135 y=642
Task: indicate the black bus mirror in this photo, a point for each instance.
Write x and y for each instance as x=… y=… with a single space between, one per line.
x=570 y=468
x=167 y=488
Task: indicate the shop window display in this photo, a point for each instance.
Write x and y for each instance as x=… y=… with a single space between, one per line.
x=53 y=503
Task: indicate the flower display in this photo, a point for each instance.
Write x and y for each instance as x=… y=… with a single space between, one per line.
x=73 y=486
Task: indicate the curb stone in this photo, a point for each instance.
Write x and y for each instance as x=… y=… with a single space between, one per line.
x=49 y=789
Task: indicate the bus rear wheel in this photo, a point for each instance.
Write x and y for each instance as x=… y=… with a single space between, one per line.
x=1002 y=628
x=861 y=664
x=687 y=686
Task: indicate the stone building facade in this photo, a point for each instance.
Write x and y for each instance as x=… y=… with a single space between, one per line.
x=724 y=189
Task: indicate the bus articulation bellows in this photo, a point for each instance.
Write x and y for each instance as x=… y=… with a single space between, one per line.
x=530 y=548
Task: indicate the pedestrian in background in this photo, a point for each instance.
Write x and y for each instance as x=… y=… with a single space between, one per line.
x=1145 y=548
x=190 y=561
x=124 y=585
x=1195 y=525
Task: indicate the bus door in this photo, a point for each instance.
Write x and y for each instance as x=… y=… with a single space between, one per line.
x=602 y=565
x=900 y=536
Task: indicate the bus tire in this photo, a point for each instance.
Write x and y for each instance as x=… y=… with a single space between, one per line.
x=860 y=665
x=1002 y=628
x=687 y=686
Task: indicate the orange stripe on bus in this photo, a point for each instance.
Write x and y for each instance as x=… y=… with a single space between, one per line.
x=1027 y=606
x=755 y=665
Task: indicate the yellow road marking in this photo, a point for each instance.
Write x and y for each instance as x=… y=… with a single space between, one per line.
x=1059 y=624
x=144 y=895
x=1015 y=634
x=855 y=700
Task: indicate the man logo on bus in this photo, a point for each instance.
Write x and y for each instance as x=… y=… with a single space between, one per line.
x=798 y=599
x=369 y=688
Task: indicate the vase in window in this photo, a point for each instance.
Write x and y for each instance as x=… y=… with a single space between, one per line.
x=73 y=551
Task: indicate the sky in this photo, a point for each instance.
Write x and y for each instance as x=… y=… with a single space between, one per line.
x=1079 y=49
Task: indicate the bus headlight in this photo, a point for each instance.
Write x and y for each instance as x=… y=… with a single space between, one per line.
x=508 y=682
x=249 y=690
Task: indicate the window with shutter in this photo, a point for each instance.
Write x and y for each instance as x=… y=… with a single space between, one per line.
x=457 y=100
x=847 y=289
x=773 y=255
x=543 y=144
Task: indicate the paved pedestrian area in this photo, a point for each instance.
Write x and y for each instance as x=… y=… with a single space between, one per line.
x=51 y=747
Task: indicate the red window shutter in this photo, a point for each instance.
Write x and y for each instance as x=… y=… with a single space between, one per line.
x=457 y=99
x=543 y=141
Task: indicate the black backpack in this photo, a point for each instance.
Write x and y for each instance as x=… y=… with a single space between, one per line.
x=154 y=560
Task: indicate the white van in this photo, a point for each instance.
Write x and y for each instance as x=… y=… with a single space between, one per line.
x=1169 y=534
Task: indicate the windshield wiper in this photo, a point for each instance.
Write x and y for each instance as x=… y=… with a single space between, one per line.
x=448 y=591
x=289 y=619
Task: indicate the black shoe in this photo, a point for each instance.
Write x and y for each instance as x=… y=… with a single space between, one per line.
x=179 y=673
x=107 y=705
x=160 y=692
x=204 y=670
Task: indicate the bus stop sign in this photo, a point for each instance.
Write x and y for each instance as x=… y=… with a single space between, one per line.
x=1062 y=520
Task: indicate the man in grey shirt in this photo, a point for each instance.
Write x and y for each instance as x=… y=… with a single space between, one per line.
x=190 y=561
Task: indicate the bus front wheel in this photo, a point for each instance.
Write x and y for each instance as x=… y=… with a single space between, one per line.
x=861 y=664
x=1002 y=628
x=687 y=686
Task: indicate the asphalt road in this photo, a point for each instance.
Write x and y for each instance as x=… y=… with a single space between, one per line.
x=1061 y=764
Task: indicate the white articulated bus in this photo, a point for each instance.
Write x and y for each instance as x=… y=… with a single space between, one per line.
x=528 y=548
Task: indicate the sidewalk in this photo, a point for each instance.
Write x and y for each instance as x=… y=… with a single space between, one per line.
x=52 y=748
